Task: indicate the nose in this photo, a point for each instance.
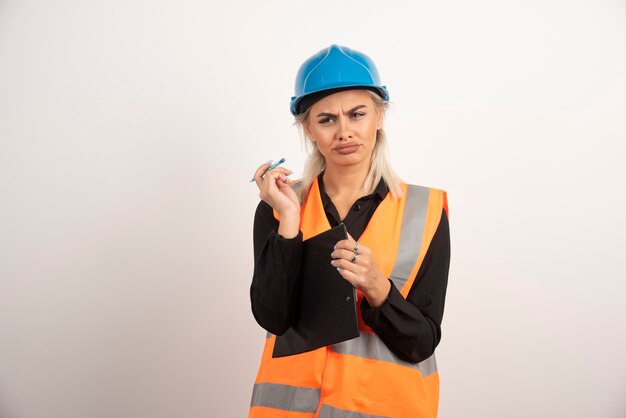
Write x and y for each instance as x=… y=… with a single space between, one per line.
x=345 y=128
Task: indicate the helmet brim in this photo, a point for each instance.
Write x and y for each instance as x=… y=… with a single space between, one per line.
x=301 y=104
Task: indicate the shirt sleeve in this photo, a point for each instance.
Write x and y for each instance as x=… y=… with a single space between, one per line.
x=275 y=282
x=411 y=327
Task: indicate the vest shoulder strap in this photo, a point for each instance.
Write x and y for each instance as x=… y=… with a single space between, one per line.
x=422 y=214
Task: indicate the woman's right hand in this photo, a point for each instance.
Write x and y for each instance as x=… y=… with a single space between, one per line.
x=275 y=190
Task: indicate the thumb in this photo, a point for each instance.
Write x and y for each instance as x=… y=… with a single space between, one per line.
x=350 y=236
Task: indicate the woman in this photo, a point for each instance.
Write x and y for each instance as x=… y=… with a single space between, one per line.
x=396 y=256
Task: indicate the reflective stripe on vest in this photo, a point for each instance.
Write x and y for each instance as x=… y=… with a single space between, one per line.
x=370 y=346
x=411 y=233
x=329 y=382
x=328 y=411
x=287 y=398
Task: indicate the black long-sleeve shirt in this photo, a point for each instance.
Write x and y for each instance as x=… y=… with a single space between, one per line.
x=410 y=327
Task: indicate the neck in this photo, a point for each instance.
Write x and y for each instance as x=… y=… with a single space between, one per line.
x=344 y=181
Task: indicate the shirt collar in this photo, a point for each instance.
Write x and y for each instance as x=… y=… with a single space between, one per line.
x=380 y=191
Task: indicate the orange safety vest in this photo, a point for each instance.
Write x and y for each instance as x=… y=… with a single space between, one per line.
x=360 y=378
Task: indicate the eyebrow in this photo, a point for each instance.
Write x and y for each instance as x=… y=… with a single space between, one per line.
x=347 y=113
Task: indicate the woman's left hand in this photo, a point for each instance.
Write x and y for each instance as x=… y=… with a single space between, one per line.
x=362 y=273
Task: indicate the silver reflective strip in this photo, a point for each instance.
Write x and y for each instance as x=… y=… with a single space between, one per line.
x=370 y=346
x=268 y=335
x=328 y=411
x=411 y=233
x=287 y=398
x=296 y=185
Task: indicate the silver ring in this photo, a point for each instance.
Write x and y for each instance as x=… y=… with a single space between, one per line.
x=356 y=246
x=354 y=256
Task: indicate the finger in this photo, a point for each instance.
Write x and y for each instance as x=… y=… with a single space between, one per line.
x=274 y=179
x=275 y=185
x=344 y=264
x=261 y=172
x=258 y=174
x=363 y=250
x=286 y=184
x=344 y=244
x=278 y=174
x=352 y=244
x=348 y=244
x=282 y=170
x=343 y=254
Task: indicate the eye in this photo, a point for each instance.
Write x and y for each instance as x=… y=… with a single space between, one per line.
x=325 y=121
x=358 y=114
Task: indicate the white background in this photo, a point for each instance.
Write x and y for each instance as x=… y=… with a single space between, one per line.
x=129 y=131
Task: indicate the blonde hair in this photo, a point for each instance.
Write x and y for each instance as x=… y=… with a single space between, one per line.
x=379 y=165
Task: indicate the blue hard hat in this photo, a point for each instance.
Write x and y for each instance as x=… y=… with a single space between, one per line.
x=334 y=69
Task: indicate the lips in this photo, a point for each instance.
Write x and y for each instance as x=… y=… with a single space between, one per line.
x=347 y=148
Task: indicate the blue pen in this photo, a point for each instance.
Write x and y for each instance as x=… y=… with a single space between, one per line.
x=273 y=166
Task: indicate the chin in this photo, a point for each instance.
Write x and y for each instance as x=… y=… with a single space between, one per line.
x=349 y=159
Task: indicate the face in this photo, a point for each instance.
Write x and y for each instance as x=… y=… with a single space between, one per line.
x=343 y=126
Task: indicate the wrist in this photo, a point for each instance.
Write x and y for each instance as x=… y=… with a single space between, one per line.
x=289 y=225
x=378 y=296
x=291 y=213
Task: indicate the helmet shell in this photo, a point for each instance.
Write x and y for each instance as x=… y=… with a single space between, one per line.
x=333 y=68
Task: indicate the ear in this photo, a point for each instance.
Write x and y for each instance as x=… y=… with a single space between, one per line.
x=379 y=121
x=309 y=135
